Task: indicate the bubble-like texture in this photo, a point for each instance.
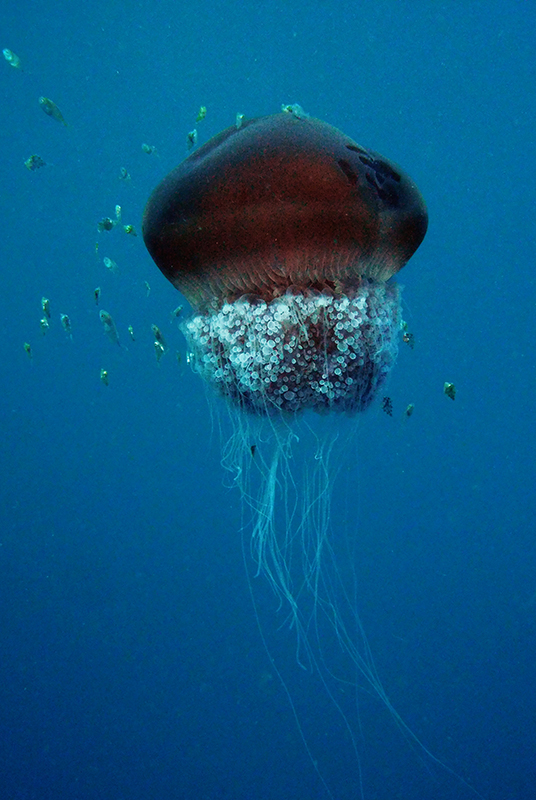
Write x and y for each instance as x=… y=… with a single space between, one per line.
x=303 y=350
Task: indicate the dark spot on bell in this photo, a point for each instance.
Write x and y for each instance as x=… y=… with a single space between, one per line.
x=356 y=149
x=348 y=171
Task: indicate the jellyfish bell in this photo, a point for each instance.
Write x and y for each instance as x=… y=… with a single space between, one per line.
x=281 y=201
x=283 y=234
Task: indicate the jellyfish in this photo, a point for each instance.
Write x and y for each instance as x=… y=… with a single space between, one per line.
x=284 y=236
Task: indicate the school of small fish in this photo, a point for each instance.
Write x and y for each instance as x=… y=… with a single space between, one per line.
x=106 y=224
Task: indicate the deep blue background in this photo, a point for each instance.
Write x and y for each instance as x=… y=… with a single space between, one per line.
x=130 y=661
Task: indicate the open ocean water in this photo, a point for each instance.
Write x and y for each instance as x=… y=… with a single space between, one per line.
x=131 y=663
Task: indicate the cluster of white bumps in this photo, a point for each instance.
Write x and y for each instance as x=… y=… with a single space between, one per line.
x=300 y=351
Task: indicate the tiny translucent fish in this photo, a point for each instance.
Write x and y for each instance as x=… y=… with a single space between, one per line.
x=130 y=229
x=159 y=350
x=28 y=349
x=66 y=325
x=191 y=139
x=159 y=337
x=131 y=333
x=409 y=339
x=118 y=213
x=51 y=109
x=109 y=326
x=104 y=377
x=296 y=110
x=150 y=149
x=96 y=295
x=45 y=305
x=11 y=58
x=105 y=224
x=34 y=162
x=124 y=174
x=450 y=390
x=178 y=357
x=175 y=314
x=409 y=410
x=43 y=322
x=111 y=265
x=147 y=288
x=239 y=121
x=201 y=114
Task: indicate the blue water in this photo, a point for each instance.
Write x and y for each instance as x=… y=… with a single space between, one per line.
x=131 y=665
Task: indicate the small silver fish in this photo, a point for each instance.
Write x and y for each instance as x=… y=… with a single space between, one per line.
x=159 y=336
x=191 y=139
x=66 y=325
x=111 y=265
x=109 y=327
x=51 y=109
x=11 y=58
x=150 y=149
x=34 y=162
